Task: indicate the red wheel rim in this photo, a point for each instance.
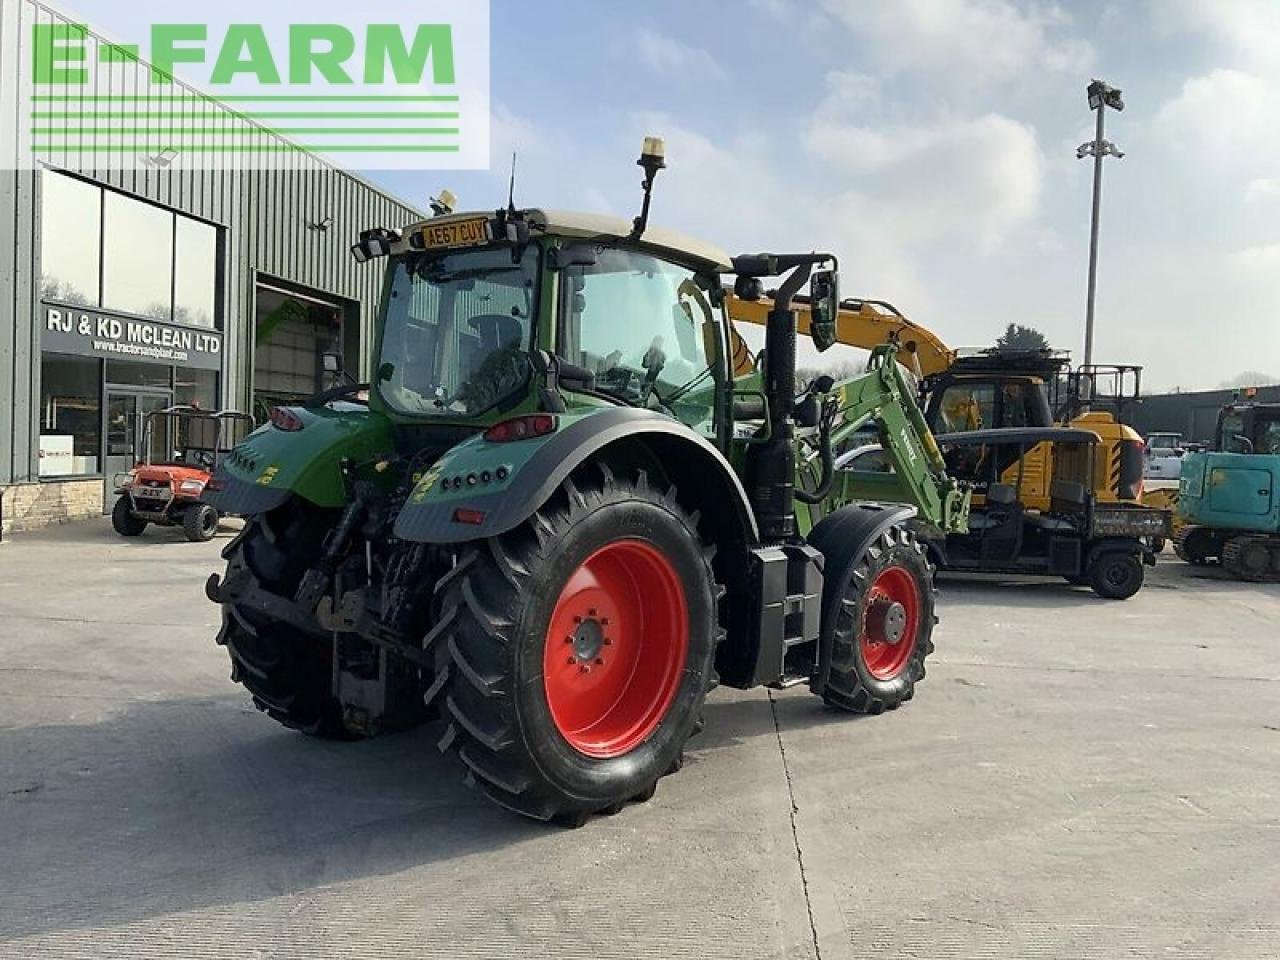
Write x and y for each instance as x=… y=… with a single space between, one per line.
x=890 y=623
x=616 y=648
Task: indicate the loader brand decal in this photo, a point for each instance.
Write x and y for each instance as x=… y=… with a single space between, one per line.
x=235 y=84
x=92 y=333
x=426 y=483
x=268 y=475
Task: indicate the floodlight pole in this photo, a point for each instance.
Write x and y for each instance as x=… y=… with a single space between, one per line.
x=1101 y=96
x=1098 y=154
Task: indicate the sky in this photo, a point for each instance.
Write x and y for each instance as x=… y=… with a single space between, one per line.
x=930 y=144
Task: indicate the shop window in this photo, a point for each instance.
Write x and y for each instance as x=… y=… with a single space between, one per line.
x=152 y=375
x=137 y=260
x=196 y=388
x=70 y=416
x=70 y=239
x=195 y=268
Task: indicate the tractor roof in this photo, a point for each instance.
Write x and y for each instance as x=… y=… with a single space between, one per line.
x=598 y=226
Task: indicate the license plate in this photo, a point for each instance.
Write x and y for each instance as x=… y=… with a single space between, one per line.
x=460 y=233
x=152 y=493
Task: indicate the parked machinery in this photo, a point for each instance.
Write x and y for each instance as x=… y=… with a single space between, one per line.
x=1229 y=498
x=181 y=447
x=560 y=519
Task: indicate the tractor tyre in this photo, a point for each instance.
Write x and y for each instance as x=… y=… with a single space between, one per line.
x=286 y=670
x=122 y=519
x=883 y=627
x=575 y=652
x=200 y=522
x=1115 y=575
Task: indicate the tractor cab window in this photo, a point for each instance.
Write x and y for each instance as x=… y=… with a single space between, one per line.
x=1234 y=438
x=965 y=407
x=1268 y=432
x=648 y=331
x=457 y=332
x=982 y=405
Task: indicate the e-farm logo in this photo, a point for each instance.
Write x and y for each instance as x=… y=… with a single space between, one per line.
x=373 y=94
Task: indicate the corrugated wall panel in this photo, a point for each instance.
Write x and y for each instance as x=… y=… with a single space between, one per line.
x=264 y=213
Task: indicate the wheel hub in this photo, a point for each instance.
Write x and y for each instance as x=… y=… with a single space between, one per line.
x=886 y=621
x=589 y=640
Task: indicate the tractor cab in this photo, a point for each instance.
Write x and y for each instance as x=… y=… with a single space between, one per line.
x=1252 y=428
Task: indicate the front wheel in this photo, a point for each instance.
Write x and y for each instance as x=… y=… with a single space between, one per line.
x=883 y=627
x=123 y=520
x=1115 y=575
x=200 y=522
x=577 y=650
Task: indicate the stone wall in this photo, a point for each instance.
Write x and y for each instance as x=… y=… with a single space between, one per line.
x=30 y=506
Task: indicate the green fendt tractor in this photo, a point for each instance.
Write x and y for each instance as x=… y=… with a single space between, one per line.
x=558 y=521
x=1229 y=498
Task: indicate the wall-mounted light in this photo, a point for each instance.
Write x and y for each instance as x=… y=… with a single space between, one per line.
x=162 y=159
x=323 y=224
x=444 y=204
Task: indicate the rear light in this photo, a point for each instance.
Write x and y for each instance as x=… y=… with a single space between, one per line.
x=521 y=428
x=282 y=418
x=468 y=516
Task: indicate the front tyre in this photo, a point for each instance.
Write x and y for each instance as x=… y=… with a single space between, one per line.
x=1115 y=575
x=200 y=522
x=883 y=628
x=576 y=651
x=123 y=520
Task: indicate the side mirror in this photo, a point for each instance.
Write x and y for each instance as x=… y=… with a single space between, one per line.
x=749 y=289
x=824 y=307
x=331 y=362
x=386 y=372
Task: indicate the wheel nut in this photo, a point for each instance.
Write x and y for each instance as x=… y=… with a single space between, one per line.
x=608 y=641
x=599 y=661
x=591 y=612
x=585 y=668
x=568 y=639
x=577 y=619
x=573 y=660
x=604 y=621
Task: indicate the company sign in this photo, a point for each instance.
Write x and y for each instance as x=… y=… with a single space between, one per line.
x=91 y=333
x=370 y=86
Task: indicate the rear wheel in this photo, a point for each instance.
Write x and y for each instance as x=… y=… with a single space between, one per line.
x=122 y=519
x=200 y=522
x=576 y=651
x=883 y=627
x=286 y=670
x=1116 y=575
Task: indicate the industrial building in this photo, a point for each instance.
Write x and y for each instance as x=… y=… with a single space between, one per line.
x=129 y=284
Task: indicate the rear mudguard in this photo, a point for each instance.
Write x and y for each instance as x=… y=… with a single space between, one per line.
x=481 y=489
x=841 y=537
x=273 y=464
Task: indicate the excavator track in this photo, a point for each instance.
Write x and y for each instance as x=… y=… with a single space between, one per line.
x=1253 y=557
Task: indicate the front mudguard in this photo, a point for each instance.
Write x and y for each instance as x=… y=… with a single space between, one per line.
x=482 y=489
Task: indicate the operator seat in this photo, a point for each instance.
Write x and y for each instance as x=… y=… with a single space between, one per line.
x=496 y=331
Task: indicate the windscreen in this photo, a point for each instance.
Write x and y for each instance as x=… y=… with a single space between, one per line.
x=457 y=330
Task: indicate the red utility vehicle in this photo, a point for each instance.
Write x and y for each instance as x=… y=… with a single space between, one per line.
x=181 y=447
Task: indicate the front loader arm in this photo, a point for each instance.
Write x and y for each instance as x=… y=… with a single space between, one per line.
x=882 y=396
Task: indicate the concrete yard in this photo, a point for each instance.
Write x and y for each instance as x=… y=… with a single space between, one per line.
x=1075 y=778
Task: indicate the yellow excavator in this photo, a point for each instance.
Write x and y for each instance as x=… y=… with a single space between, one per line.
x=962 y=392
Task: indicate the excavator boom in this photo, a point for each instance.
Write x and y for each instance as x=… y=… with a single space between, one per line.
x=866 y=324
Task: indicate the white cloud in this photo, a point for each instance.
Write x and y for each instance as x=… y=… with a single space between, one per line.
x=1262 y=257
x=978 y=178
x=1225 y=120
x=1249 y=29
x=1262 y=189
x=971 y=42
x=669 y=56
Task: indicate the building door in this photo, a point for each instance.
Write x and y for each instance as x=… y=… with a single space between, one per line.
x=126 y=413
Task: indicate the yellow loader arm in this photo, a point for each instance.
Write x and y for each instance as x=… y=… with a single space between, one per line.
x=860 y=323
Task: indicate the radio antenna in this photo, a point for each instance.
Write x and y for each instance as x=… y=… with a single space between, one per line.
x=511 y=192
